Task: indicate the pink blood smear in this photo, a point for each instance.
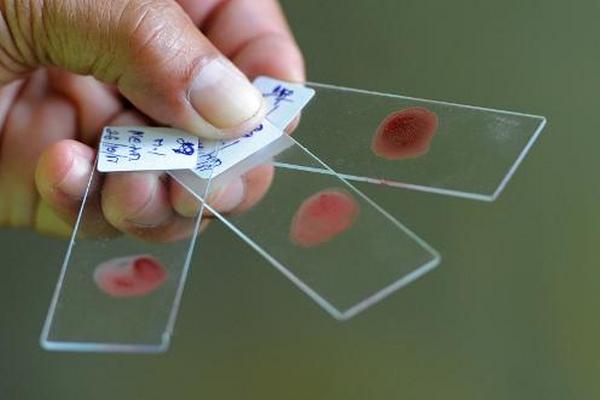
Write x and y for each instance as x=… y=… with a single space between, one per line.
x=405 y=134
x=132 y=276
x=322 y=217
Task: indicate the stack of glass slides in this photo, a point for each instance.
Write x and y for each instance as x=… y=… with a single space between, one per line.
x=310 y=221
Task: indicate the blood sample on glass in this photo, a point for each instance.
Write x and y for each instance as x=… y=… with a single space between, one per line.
x=405 y=134
x=322 y=217
x=130 y=276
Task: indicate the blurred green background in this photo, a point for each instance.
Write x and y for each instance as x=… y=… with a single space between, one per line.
x=510 y=314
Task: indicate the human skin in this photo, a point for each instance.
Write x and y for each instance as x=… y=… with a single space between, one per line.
x=70 y=67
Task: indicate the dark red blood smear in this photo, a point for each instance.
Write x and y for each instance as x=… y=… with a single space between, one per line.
x=322 y=217
x=148 y=269
x=130 y=276
x=405 y=134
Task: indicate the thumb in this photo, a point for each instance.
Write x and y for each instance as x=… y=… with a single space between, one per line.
x=150 y=49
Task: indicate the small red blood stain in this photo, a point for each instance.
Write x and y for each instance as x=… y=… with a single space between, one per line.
x=322 y=217
x=124 y=281
x=130 y=276
x=405 y=134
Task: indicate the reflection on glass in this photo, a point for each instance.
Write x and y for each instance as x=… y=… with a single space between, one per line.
x=130 y=276
x=322 y=217
x=405 y=134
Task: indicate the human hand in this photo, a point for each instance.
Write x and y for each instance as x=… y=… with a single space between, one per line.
x=171 y=63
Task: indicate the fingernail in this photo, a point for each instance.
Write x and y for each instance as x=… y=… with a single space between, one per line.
x=187 y=207
x=76 y=179
x=223 y=96
x=231 y=196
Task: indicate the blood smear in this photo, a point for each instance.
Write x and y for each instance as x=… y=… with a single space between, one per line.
x=130 y=276
x=322 y=217
x=405 y=134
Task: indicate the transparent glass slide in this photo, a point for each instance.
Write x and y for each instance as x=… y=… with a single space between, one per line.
x=432 y=146
x=329 y=239
x=116 y=293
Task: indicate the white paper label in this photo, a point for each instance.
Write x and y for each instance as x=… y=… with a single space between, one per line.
x=141 y=148
x=212 y=163
x=148 y=148
x=285 y=100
